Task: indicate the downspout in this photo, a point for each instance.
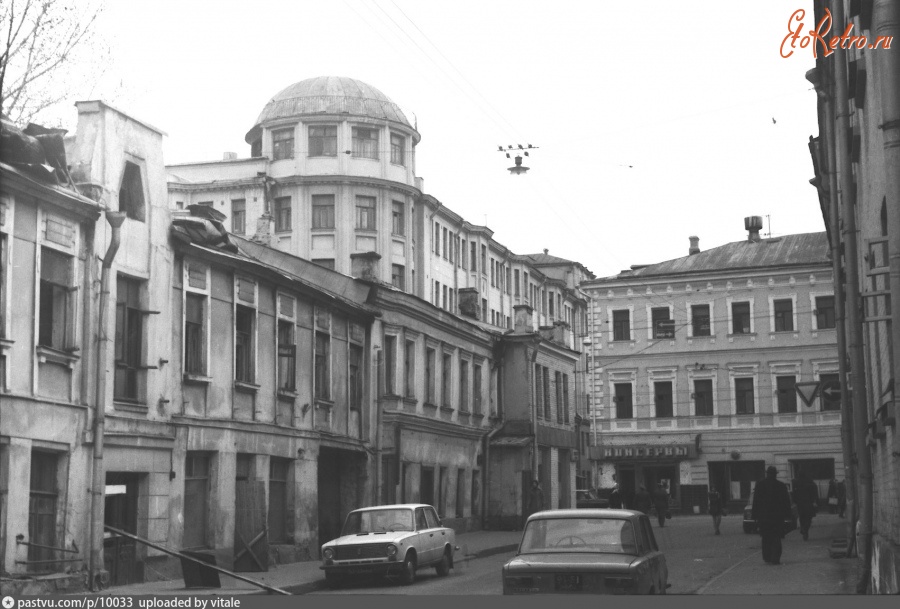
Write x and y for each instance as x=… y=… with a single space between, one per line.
x=486 y=471
x=115 y=219
x=534 y=440
x=825 y=90
x=886 y=22
x=851 y=256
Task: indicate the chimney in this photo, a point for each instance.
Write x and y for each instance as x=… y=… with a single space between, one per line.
x=523 y=319
x=468 y=302
x=264 y=234
x=365 y=266
x=753 y=224
x=560 y=332
x=695 y=246
x=229 y=156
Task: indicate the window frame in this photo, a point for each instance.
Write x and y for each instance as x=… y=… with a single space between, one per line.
x=779 y=317
x=398 y=149
x=625 y=412
x=62 y=315
x=732 y=318
x=244 y=364
x=398 y=276
x=618 y=332
x=656 y=398
x=786 y=399
x=283 y=143
x=283 y=214
x=366 y=212
x=817 y=315
x=320 y=209
x=692 y=327
x=317 y=145
x=239 y=216
x=286 y=352
x=130 y=358
x=696 y=397
x=740 y=406
x=364 y=147
x=398 y=218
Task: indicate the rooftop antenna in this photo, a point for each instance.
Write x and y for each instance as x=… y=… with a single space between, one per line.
x=769 y=223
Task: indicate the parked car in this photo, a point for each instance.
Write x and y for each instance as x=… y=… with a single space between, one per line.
x=587 y=551
x=750 y=524
x=390 y=540
x=587 y=499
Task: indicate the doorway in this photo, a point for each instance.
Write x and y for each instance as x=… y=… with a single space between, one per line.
x=121 y=511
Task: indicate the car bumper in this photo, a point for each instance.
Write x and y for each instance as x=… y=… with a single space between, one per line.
x=367 y=568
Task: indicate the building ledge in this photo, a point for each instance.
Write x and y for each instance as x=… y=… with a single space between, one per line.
x=55 y=356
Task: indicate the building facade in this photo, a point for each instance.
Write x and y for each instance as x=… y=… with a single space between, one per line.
x=856 y=159
x=695 y=363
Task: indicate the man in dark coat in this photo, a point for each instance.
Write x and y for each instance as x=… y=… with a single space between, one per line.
x=615 y=498
x=661 y=503
x=771 y=507
x=535 y=498
x=642 y=500
x=842 y=497
x=806 y=496
x=716 y=508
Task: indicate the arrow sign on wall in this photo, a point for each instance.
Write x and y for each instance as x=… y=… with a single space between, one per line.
x=808 y=391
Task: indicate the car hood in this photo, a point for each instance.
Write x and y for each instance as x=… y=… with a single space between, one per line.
x=562 y=561
x=354 y=540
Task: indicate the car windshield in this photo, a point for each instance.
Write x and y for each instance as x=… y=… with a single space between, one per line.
x=378 y=521
x=605 y=535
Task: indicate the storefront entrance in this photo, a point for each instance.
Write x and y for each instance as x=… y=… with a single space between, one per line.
x=735 y=479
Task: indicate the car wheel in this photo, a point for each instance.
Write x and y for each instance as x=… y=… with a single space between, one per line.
x=443 y=567
x=333 y=581
x=408 y=575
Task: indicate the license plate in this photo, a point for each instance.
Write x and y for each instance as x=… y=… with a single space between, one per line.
x=565 y=582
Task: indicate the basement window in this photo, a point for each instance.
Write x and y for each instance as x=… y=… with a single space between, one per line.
x=131 y=192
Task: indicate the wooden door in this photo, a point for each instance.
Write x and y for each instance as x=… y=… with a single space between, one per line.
x=251 y=543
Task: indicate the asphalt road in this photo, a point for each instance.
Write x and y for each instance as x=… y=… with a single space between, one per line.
x=698 y=562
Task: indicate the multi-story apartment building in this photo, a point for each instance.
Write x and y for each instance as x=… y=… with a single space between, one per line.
x=695 y=363
x=856 y=157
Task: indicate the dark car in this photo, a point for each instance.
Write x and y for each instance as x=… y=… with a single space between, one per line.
x=587 y=552
x=750 y=524
x=588 y=499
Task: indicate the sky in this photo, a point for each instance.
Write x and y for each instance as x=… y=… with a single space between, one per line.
x=654 y=120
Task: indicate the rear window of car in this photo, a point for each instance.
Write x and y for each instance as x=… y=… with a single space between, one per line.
x=606 y=535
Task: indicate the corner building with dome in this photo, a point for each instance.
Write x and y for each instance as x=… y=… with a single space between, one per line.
x=428 y=362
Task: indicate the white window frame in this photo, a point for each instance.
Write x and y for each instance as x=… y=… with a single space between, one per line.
x=690 y=322
x=704 y=375
x=662 y=375
x=7 y=216
x=730 y=329
x=650 y=308
x=207 y=294
x=772 y=298
x=622 y=377
x=282 y=315
x=609 y=317
x=777 y=369
x=812 y=310
x=238 y=302
x=743 y=371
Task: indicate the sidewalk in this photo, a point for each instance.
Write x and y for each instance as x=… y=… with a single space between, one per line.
x=302 y=577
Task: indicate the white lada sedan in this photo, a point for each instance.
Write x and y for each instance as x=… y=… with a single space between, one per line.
x=391 y=540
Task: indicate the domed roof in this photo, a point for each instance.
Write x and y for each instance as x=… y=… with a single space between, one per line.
x=332 y=95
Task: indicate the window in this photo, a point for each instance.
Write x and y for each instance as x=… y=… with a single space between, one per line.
x=365 y=212
x=437 y=293
x=56 y=323
x=195 y=334
x=445 y=251
x=743 y=396
x=462 y=257
x=323 y=140
x=278 y=485
x=546 y=383
x=327 y=263
x=484 y=259
x=131 y=192
x=356 y=377
x=783 y=311
x=390 y=364
x=622 y=398
x=557 y=377
x=516 y=281
x=129 y=338
x=437 y=239
x=463 y=386
x=398 y=276
x=786 y=393
x=663 y=394
x=244 y=339
x=283 y=214
x=538 y=391
x=444 y=296
x=398 y=222
x=621 y=325
x=196 y=499
x=283 y=144
x=323 y=211
x=238 y=216
x=508 y=282
x=830 y=391
x=476 y=389
x=703 y=398
x=661 y=324
x=398 y=149
x=430 y=371
x=409 y=369
x=322 y=367
x=446 y=373
x=484 y=309
x=365 y=142
x=565 y=401
x=824 y=312
x=700 y=320
x=493 y=273
x=472 y=257
x=740 y=318
x=43 y=499
x=287 y=346
x=552 y=306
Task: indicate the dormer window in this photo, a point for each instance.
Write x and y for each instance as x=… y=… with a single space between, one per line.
x=283 y=144
x=365 y=143
x=131 y=193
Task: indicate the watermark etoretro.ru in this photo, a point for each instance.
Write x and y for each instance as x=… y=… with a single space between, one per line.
x=817 y=36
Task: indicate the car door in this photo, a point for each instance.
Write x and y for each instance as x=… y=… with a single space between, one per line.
x=657 y=561
x=438 y=533
x=424 y=538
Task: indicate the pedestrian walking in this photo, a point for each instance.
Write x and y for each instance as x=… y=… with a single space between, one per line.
x=832 y=496
x=771 y=508
x=806 y=496
x=661 y=503
x=716 y=508
x=842 y=497
x=615 y=498
x=535 y=498
x=642 y=500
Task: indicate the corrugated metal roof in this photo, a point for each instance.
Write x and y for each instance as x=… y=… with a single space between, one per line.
x=788 y=250
x=332 y=95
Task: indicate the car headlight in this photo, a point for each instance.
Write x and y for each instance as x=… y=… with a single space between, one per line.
x=328 y=554
x=391 y=551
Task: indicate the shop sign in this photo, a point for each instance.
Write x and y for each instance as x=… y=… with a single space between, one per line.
x=644 y=451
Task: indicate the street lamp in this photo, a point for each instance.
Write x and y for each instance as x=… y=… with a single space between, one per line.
x=518 y=168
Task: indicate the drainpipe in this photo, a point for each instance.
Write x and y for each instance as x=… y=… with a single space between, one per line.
x=115 y=219
x=486 y=495
x=854 y=322
x=534 y=440
x=825 y=89
x=886 y=22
